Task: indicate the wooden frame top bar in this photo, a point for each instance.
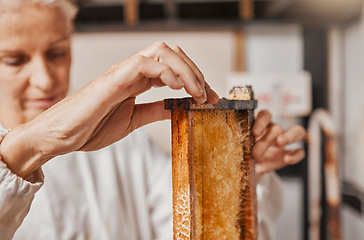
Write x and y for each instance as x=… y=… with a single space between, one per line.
x=223 y=104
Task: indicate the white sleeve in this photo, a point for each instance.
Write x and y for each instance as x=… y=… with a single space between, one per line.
x=269 y=196
x=160 y=195
x=16 y=196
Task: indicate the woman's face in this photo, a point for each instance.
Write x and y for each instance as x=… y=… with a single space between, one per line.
x=34 y=62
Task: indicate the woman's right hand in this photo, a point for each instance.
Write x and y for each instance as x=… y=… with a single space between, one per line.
x=104 y=111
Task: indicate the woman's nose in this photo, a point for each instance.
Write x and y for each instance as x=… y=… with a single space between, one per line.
x=42 y=76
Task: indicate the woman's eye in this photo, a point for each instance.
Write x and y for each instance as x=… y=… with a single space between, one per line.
x=56 y=54
x=15 y=61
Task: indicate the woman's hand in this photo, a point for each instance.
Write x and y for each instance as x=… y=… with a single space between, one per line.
x=159 y=65
x=104 y=111
x=269 y=149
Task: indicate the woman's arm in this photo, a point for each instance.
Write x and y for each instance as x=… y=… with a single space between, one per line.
x=104 y=111
x=98 y=115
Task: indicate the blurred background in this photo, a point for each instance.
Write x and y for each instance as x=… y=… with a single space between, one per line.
x=305 y=61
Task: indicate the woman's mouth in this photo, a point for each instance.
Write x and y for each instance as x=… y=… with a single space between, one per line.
x=43 y=103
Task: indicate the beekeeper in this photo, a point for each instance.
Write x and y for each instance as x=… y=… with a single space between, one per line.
x=53 y=184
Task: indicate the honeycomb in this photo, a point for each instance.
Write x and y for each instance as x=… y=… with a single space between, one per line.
x=213 y=174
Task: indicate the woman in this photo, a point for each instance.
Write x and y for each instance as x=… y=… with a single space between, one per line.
x=121 y=191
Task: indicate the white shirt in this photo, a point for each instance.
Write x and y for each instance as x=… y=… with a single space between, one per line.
x=120 y=192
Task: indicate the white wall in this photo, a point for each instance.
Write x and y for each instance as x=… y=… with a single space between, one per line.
x=274 y=49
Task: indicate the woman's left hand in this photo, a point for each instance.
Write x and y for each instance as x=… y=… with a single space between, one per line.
x=269 y=150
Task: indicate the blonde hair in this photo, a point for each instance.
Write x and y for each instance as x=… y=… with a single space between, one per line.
x=68 y=9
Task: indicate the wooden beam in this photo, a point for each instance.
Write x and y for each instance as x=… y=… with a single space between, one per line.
x=131 y=12
x=239 y=51
x=246 y=9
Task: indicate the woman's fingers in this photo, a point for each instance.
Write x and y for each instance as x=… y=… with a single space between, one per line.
x=147 y=113
x=267 y=140
x=182 y=67
x=295 y=134
x=153 y=70
x=199 y=76
x=139 y=74
x=290 y=157
x=209 y=94
x=269 y=149
x=262 y=121
x=261 y=168
x=212 y=96
x=293 y=156
x=160 y=65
